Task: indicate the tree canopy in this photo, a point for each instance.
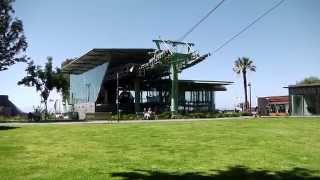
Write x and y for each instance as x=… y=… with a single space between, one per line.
x=309 y=80
x=242 y=66
x=12 y=39
x=45 y=79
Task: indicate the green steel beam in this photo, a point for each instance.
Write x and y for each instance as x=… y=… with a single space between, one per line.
x=174 y=90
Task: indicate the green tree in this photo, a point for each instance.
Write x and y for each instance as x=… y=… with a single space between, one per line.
x=65 y=93
x=12 y=40
x=309 y=80
x=242 y=66
x=44 y=80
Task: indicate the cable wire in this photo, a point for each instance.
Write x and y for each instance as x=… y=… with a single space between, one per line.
x=248 y=26
x=201 y=20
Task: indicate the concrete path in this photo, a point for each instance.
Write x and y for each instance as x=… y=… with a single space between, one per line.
x=120 y=122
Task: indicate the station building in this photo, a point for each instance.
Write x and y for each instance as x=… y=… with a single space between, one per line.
x=97 y=76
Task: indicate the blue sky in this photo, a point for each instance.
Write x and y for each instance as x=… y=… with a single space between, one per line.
x=284 y=45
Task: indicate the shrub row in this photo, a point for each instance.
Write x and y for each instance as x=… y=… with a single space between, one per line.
x=167 y=115
x=163 y=115
x=12 y=118
x=209 y=115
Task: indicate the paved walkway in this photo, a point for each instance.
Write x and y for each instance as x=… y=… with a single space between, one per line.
x=120 y=122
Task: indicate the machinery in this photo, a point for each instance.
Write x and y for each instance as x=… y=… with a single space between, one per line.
x=172 y=57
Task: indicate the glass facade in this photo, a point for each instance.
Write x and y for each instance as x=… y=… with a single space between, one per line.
x=305 y=105
x=197 y=101
x=297 y=105
x=85 y=87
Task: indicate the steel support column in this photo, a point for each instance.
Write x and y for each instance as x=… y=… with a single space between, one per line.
x=137 y=99
x=174 y=89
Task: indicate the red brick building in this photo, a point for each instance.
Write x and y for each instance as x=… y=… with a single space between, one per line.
x=273 y=105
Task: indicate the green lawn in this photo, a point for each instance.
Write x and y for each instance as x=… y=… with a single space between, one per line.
x=287 y=148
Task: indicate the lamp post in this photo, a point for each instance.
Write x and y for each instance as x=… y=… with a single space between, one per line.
x=88 y=87
x=236 y=104
x=117 y=98
x=249 y=85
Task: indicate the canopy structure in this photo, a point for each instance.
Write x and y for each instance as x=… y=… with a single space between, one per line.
x=191 y=85
x=97 y=57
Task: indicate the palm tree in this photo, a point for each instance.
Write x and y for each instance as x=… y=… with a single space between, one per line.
x=242 y=66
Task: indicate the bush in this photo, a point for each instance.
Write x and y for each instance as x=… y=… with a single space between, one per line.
x=128 y=117
x=200 y=115
x=13 y=118
x=232 y=115
x=245 y=114
x=220 y=115
x=167 y=115
x=197 y=115
x=164 y=115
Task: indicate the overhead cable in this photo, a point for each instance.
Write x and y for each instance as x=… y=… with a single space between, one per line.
x=248 y=26
x=201 y=20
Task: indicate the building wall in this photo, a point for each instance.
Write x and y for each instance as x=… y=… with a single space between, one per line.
x=304 y=101
x=197 y=101
x=273 y=105
x=83 y=108
x=262 y=106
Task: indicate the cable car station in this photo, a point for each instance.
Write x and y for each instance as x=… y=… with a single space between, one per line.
x=129 y=80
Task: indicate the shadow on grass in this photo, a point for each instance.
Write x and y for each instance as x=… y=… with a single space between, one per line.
x=232 y=173
x=4 y=128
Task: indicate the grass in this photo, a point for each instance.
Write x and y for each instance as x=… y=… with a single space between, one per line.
x=279 y=148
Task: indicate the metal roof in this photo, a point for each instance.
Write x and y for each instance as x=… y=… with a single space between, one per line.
x=96 y=57
x=191 y=85
x=277 y=99
x=208 y=82
x=303 y=85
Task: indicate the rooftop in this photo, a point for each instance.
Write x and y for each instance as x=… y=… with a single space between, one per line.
x=303 y=85
x=277 y=99
x=191 y=85
x=96 y=57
